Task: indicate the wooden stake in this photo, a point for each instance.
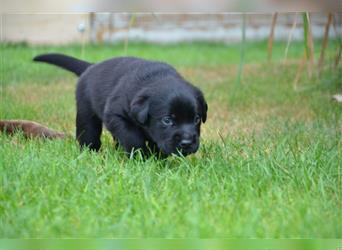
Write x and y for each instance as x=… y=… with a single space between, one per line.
x=130 y=24
x=309 y=49
x=271 y=36
x=242 y=50
x=91 y=27
x=338 y=56
x=325 y=42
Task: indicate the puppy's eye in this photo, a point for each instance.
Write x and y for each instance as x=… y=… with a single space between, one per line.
x=167 y=121
x=197 y=119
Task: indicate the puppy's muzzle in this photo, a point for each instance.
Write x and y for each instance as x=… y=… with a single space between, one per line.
x=188 y=143
x=185 y=143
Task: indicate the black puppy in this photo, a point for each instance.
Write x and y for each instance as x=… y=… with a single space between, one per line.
x=144 y=104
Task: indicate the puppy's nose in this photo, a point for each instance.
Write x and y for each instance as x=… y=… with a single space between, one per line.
x=185 y=143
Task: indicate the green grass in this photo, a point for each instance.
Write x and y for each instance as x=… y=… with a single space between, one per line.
x=269 y=163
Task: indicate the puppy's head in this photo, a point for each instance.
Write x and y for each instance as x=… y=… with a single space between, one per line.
x=171 y=116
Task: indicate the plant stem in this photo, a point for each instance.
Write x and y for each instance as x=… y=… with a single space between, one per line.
x=242 y=50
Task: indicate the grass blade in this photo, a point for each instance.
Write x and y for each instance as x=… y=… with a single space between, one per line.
x=289 y=39
x=130 y=24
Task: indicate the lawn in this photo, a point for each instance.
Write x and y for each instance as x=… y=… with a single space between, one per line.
x=269 y=165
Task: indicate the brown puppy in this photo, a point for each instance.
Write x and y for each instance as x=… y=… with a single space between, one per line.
x=30 y=129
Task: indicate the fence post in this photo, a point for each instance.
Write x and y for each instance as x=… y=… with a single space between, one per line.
x=271 y=36
x=242 y=50
x=325 y=42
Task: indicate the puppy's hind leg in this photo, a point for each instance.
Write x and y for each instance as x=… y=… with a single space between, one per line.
x=88 y=129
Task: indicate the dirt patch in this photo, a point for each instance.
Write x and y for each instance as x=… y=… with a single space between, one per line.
x=211 y=75
x=224 y=121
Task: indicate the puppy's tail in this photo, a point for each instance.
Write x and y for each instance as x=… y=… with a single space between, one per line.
x=66 y=62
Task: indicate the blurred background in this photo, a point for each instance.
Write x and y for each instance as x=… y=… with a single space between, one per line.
x=52 y=28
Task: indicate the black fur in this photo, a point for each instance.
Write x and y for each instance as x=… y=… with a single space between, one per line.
x=144 y=104
x=66 y=62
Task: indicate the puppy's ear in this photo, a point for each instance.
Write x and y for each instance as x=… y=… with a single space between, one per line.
x=139 y=108
x=203 y=106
